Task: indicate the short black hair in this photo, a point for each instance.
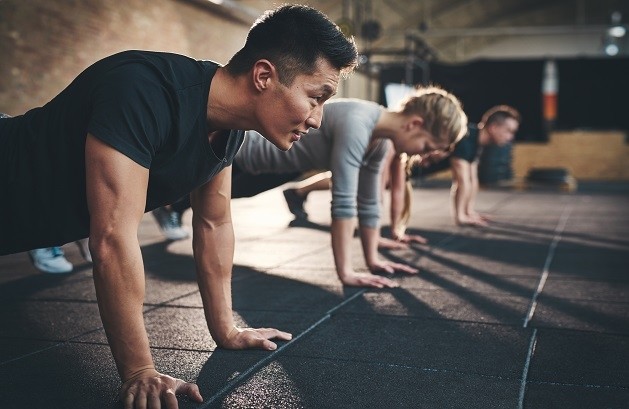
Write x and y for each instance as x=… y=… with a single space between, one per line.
x=293 y=38
x=499 y=114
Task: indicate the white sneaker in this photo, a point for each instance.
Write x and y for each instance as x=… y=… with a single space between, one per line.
x=84 y=249
x=170 y=223
x=50 y=260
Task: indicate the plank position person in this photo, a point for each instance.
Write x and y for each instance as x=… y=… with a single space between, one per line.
x=138 y=130
x=352 y=143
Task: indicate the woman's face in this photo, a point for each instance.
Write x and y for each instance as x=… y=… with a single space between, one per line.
x=421 y=142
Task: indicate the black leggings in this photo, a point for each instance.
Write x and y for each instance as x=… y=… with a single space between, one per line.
x=245 y=185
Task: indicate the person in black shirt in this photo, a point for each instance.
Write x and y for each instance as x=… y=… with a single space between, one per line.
x=138 y=130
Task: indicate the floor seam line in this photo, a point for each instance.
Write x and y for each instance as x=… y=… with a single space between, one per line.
x=525 y=370
x=244 y=375
x=546 y=270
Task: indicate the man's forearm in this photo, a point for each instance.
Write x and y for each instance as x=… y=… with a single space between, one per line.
x=119 y=283
x=214 y=254
x=471 y=204
x=457 y=197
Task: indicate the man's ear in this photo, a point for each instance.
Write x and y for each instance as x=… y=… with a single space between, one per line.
x=263 y=74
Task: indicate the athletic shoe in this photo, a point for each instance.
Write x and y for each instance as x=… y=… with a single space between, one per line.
x=170 y=223
x=50 y=260
x=84 y=249
x=295 y=203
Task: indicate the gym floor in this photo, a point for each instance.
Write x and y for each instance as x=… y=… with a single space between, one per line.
x=532 y=312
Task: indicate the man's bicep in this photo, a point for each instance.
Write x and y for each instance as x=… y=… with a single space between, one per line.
x=211 y=201
x=116 y=186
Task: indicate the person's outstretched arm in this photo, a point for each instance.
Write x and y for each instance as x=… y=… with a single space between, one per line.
x=461 y=192
x=213 y=247
x=471 y=206
x=342 y=236
x=397 y=185
x=116 y=197
x=400 y=203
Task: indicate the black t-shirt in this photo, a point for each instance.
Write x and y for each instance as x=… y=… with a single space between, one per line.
x=149 y=106
x=468 y=147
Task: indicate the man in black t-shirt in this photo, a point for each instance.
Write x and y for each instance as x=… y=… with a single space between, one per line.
x=497 y=127
x=138 y=130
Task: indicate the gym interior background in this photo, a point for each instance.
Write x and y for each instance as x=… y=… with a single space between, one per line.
x=562 y=63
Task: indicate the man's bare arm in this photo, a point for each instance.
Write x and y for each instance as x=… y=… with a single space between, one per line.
x=116 y=195
x=461 y=192
x=213 y=246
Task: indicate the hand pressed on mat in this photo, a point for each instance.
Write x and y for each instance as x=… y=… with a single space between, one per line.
x=150 y=389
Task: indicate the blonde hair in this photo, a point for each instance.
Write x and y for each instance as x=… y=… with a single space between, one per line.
x=441 y=111
x=409 y=162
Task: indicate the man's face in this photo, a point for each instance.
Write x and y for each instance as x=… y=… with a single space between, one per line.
x=503 y=133
x=287 y=113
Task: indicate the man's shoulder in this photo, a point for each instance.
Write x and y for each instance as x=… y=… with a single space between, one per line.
x=176 y=69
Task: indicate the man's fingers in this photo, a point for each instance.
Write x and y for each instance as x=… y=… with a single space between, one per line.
x=170 y=400
x=140 y=400
x=128 y=400
x=269 y=345
x=272 y=333
x=191 y=390
x=260 y=338
x=154 y=401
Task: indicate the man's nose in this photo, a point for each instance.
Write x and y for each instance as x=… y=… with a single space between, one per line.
x=315 y=118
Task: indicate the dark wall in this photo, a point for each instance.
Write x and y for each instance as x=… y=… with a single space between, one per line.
x=592 y=92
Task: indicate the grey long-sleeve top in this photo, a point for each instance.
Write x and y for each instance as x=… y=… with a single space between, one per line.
x=342 y=145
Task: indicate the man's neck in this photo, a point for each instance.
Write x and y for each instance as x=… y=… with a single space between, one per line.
x=483 y=137
x=225 y=109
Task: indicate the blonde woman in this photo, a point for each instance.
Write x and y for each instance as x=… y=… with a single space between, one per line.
x=497 y=127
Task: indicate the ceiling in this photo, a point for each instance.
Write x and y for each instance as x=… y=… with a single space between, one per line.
x=452 y=30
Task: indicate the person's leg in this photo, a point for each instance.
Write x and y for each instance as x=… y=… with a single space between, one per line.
x=83 y=246
x=295 y=197
x=248 y=185
x=50 y=260
x=181 y=205
x=169 y=220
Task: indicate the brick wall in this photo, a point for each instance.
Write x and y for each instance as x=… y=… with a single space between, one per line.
x=44 y=44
